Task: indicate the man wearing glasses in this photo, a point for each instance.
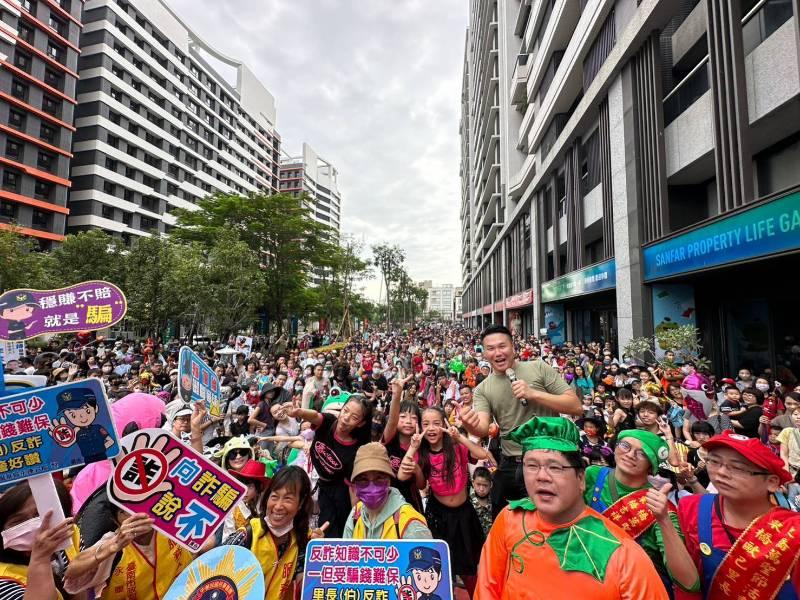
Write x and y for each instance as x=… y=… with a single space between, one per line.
x=550 y=544
x=626 y=496
x=742 y=545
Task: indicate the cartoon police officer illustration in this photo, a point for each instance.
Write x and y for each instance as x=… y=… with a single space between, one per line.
x=16 y=310
x=425 y=566
x=75 y=424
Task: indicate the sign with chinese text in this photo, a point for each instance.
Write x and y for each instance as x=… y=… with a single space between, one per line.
x=11 y=351
x=198 y=382
x=768 y=228
x=187 y=495
x=519 y=300
x=377 y=569
x=222 y=573
x=597 y=278
x=87 y=306
x=49 y=429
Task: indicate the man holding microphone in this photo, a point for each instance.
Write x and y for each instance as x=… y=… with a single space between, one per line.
x=512 y=394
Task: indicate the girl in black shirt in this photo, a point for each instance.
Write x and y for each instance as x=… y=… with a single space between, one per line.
x=336 y=440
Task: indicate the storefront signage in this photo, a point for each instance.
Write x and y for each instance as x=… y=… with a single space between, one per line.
x=599 y=277
x=499 y=306
x=487 y=310
x=760 y=231
x=519 y=300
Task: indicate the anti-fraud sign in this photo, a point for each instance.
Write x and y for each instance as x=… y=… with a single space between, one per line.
x=87 y=306
x=50 y=429
x=198 y=382
x=377 y=570
x=224 y=573
x=186 y=495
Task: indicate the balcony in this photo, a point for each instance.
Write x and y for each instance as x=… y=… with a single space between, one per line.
x=762 y=21
x=687 y=92
x=519 y=81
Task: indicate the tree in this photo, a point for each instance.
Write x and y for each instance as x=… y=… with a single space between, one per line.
x=389 y=260
x=20 y=265
x=89 y=255
x=280 y=229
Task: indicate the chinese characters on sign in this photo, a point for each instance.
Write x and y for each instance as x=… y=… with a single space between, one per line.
x=50 y=429
x=187 y=495
x=377 y=570
x=90 y=305
x=198 y=382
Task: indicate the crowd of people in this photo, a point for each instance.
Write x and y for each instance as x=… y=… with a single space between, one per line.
x=550 y=470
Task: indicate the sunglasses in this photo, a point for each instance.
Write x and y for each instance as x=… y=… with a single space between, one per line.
x=239 y=452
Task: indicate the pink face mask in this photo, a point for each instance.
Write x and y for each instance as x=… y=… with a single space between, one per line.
x=21 y=537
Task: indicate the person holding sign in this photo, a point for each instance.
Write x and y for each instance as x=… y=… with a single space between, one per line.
x=381 y=512
x=129 y=561
x=647 y=516
x=550 y=544
x=740 y=542
x=278 y=537
x=31 y=560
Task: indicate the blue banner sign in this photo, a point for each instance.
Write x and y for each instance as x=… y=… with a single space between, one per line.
x=378 y=569
x=760 y=231
x=599 y=277
x=50 y=429
x=197 y=381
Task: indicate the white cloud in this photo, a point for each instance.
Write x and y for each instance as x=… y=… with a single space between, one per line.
x=374 y=86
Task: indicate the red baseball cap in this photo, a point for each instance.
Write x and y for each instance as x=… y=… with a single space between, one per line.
x=753 y=450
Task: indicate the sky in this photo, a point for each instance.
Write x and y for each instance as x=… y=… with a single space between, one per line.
x=374 y=87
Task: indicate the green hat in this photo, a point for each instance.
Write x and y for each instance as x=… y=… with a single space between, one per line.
x=655 y=447
x=547 y=433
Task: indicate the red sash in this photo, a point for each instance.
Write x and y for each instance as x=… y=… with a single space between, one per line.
x=759 y=562
x=632 y=513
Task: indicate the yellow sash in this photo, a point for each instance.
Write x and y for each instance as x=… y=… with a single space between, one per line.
x=278 y=572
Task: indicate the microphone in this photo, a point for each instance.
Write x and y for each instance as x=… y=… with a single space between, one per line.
x=512 y=377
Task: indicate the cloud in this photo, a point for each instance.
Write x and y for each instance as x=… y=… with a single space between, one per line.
x=374 y=87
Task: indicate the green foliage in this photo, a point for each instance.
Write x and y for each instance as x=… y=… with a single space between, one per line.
x=20 y=266
x=683 y=340
x=389 y=261
x=90 y=255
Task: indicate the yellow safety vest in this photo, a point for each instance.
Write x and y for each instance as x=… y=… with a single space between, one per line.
x=278 y=572
x=19 y=573
x=393 y=528
x=136 y=578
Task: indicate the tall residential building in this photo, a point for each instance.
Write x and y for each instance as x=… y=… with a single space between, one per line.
x=39 y=53
x=319 y=179
x=441 y=299
x=159 y=126
x=646 y=174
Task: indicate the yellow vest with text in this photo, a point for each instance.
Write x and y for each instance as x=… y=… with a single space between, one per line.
x=393 y=528
x=135 y=578
x=278 y=572
x=19 y=573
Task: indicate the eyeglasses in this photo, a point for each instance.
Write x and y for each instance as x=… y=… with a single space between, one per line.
x=552 y=469
x=714 y=464
x=626 y=448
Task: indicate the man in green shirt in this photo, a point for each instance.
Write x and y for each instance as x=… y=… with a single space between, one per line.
x=626 y=496
x=537 y=390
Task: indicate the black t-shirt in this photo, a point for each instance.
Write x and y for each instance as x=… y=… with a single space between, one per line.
x=408 y=488
x=381 y=383
x=749 y=421
x=332 y=458
x=726 y=406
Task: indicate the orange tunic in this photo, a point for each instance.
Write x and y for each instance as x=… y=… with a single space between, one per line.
x=629 y=574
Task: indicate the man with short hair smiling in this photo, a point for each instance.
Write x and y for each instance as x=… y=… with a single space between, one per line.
x=538 y=390
x=743 y=545
x=550 y=544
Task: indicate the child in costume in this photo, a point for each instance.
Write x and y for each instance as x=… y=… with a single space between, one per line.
x=550 y=544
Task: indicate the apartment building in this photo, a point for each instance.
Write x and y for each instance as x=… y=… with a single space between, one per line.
x=441 y=299
x=645 y=174
x=39 y=53
x=319 y=180
x=159 y=125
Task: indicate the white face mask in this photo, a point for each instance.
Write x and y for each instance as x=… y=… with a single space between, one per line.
x=764 y=387
x=279 y=531
x=21 y=537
